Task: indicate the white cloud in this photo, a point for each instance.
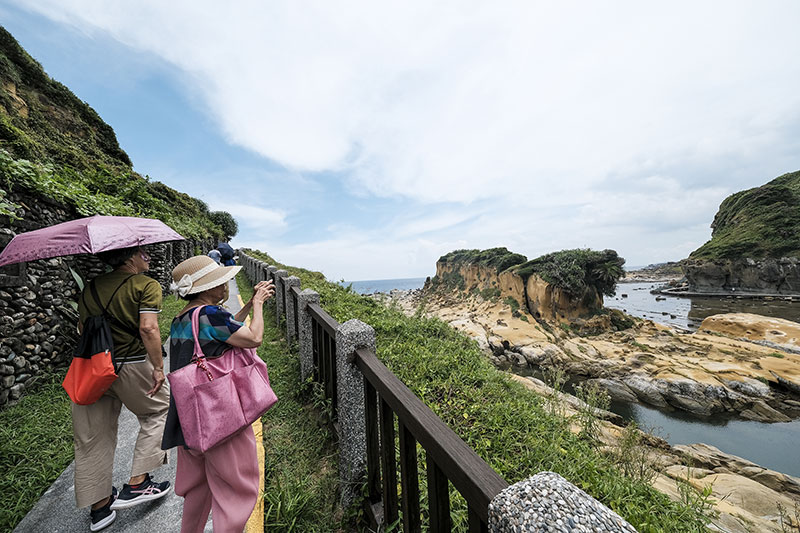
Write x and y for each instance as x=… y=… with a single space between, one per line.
x=460 y=100
x=254 y=216
x=553 y=125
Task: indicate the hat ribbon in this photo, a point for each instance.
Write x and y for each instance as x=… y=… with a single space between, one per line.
x=185 y=284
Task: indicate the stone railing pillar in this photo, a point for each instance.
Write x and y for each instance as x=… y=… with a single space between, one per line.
x=350 y=403
x=280 y=284
x=291 y=281
x=270 y=271
x=548 y=502
x=304 y=338
x=260 y=272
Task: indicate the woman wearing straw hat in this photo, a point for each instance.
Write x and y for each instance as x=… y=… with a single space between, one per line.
x=224 y=478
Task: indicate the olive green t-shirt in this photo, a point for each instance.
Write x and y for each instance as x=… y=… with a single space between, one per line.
x=140 y=294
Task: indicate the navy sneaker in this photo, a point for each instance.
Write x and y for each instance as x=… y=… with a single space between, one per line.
x=104 y=517
x=146 y=491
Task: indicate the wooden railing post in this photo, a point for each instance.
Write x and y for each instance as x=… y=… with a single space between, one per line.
x=351 y=335
x=548 y=502
x=304 y=337
x=291 y=281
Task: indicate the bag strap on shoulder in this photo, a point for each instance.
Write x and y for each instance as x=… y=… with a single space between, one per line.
x=198 y=350
x=114 y=320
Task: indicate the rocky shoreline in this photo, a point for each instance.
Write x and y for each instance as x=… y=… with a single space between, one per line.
x=744 y=366
x=704 y=373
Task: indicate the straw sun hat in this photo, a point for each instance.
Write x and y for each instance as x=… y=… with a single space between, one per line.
x=198 y=274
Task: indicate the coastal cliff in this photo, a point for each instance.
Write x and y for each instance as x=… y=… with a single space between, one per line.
x=755 y=243
x=560 y=287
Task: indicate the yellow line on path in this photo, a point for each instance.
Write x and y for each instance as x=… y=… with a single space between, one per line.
x=256 y=522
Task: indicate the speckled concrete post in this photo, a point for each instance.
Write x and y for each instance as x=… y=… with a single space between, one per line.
x=261 y=271
x=280 y=286
x=247 y=265
x=548 y=502
x=350 y=395
x=291 y=281
x=271 y=269
x=306 y=297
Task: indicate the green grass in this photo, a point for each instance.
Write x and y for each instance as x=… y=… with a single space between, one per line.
x=35 y=447
x=170 y=307
x=301 y=485
x=507 y=425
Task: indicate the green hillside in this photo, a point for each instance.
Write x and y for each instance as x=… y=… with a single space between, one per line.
x=763 y=222
x=55 y=145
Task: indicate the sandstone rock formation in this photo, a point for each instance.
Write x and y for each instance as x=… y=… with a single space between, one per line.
x=705 y=373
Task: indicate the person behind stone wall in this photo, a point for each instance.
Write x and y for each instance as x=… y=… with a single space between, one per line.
x=224 y=479
x=140 y=386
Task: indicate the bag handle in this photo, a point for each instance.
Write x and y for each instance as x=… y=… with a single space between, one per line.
x=198 y=356
x=198 y=350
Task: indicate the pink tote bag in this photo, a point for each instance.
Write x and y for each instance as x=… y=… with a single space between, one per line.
x=216 y=398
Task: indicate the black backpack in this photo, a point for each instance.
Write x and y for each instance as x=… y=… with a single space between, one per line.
x=96 y=336
x=94 y=368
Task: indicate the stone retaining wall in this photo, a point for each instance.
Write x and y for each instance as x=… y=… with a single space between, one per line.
x=37 y=315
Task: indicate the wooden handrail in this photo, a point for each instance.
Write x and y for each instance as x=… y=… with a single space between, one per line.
x=323 y=318
x=477 y=482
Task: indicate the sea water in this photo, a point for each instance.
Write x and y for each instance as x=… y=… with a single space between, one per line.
x=384 y=285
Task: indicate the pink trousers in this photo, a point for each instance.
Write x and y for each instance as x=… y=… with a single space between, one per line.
x=223 y=480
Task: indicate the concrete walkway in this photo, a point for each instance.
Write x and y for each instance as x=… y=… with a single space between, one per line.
x=56 y=513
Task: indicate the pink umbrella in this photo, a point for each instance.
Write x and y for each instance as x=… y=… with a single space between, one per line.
x=86 y=236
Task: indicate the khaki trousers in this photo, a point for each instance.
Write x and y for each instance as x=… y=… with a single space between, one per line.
x=95 y=431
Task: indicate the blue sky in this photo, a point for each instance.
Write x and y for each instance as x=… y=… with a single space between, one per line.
x=366 y=139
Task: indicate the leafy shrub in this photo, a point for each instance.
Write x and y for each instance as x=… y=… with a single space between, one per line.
x=225 y=220
x=499 y=258
x=575 y=271
x=101 y=192
x=490 y=293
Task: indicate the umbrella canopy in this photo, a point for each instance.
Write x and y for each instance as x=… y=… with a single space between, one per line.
x=89 y=235
x=226 y=250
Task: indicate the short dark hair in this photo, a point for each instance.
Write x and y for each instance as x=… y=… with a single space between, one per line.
x=116 y=258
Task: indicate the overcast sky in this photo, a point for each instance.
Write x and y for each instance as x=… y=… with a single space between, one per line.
x=366 y=139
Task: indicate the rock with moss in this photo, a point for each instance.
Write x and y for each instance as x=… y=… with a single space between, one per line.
x=559 y=286
x=755 y=242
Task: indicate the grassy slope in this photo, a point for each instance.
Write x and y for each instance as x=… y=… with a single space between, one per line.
x=55 y=145
x=761 y=222
x=504 y=423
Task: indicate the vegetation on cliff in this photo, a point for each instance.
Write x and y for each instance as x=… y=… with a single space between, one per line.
x=498 y=258
x=56 y=146
x=508 y=426
x=574 y=271
x=763 y=222
x=577 y=270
